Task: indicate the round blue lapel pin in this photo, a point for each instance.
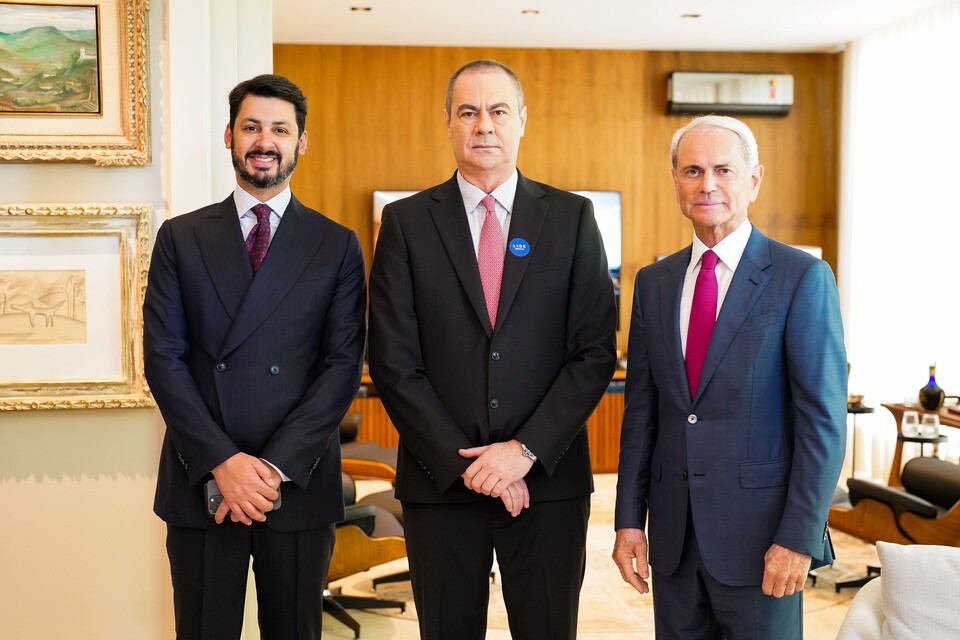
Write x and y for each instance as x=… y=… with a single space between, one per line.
x=519 y=247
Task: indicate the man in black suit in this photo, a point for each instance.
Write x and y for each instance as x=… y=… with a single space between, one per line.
x=490 y=378
x=253 y=354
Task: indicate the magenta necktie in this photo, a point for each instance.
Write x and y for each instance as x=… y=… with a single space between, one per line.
x=703 y=315
x=490 y=258
x=259 y=238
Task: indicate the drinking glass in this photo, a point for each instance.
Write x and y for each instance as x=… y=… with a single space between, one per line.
x=930 y=425
x=910 y=424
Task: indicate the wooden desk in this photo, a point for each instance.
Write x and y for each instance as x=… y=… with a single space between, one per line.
x=947 y=419
x=603 y=427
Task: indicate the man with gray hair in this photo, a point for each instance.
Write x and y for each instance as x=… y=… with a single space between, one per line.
x=735 y=421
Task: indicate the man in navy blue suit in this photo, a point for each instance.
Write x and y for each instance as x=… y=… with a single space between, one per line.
x=732 y=441
x=253 y=339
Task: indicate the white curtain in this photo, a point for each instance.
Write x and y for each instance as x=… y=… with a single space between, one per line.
x=899 y=265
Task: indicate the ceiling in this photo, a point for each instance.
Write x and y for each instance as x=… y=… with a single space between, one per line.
x=732 y=25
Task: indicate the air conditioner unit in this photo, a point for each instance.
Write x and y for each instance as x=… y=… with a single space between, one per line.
x=696 y=93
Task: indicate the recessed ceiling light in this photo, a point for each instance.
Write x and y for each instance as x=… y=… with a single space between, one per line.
x=691 y=15
x=530 y=12
x=361 y=8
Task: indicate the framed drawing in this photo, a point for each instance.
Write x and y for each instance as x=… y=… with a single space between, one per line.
x=72 y=279
x=73 y=81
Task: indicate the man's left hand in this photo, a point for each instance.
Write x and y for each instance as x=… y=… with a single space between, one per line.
x=784 y=571
x=496 y=467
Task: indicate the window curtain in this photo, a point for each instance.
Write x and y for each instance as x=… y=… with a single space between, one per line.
x=899 y=269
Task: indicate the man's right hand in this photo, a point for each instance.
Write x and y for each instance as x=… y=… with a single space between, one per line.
x=630 y=556
x=516 y=497
x=248 y=487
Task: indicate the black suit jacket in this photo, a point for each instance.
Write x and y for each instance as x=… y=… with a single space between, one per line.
x=264 y=365
x=449 y=381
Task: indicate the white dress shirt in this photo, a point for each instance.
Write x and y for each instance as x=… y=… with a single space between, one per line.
x=729 y=250
x=248 y=219
x=476 y=213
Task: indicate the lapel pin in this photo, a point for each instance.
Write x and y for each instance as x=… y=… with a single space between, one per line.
x=519 y=247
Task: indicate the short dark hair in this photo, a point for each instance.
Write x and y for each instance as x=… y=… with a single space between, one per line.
x=269 y=85
x=484 y=65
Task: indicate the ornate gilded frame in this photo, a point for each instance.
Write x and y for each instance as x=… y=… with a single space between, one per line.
x=125 y=228
x=118 y=137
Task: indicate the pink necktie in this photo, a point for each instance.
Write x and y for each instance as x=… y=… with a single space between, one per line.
x=259 y=238
x=703 y=315
x=490 y=258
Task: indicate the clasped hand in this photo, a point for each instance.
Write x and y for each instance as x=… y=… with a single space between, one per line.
x=498 y=470
x=249 y=487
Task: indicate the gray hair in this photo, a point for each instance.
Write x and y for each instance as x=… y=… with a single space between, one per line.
x=488 y=66
x=751 y=154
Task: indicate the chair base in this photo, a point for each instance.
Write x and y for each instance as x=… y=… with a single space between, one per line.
x=872 y=572
x=336 y=604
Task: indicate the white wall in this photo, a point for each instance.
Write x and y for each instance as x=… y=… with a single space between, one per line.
x=81 y=553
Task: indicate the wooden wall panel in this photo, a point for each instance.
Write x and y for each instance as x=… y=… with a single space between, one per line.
x=597 y=120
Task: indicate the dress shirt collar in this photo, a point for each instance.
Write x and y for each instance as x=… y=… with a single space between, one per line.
x=729 y=250
x=244 y=201
x=505 y=193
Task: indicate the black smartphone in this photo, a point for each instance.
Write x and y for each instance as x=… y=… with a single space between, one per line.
x=213 y=497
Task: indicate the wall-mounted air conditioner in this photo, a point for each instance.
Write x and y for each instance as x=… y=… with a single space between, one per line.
x=696 y=93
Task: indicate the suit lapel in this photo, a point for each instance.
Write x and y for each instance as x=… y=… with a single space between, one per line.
x=220 y=241
x=529 y=212
x=451 y=222
x=749 y=282
x=297 y=240
x=671 y=286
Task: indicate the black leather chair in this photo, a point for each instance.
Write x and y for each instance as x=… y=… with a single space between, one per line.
x=367 y=536
x=926 y=510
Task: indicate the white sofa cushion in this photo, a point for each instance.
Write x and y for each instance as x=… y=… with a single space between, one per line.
x=921 y=591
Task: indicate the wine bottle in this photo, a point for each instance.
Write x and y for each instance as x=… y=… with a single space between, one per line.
x=931 y=395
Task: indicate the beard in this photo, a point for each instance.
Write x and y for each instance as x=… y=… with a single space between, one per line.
x=262 y=178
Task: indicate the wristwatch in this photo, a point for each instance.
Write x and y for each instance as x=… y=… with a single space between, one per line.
x=527 y=453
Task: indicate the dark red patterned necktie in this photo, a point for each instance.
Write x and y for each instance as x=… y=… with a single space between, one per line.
x=259 y=238
x=703 y=316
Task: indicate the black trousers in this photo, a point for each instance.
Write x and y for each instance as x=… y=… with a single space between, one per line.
x=691 y=604
x=209 y=572
x=541 y=555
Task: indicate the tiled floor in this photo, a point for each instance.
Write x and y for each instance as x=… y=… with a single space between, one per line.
x=609 y=609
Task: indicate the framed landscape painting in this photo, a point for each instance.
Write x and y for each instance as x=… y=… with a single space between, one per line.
x=73 y=81
x=72 y=279
x=49 y=59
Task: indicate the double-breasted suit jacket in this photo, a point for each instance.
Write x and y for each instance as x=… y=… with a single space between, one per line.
x=449 y=381
x=757 y=453
x=266 y=365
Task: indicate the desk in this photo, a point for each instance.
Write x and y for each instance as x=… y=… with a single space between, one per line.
x=947 y=419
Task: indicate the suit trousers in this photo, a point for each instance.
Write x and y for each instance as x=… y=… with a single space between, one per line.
x=691 y=605
x=209 y=570
x=540 y=553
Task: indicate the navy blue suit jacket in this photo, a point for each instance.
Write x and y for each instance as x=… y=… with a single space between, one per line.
x=264 y=365
x=757 y=453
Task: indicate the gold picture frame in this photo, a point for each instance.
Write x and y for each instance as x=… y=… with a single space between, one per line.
x=72 y=281
x=119 y=134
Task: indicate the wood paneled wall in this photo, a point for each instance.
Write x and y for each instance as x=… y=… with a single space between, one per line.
x=597 y=120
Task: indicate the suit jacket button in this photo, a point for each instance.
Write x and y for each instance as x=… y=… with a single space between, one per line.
x=221 y=367
x=495 y=355
x=494 y=403
x=274 y=369
x=683 y=475
x=692 y=418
